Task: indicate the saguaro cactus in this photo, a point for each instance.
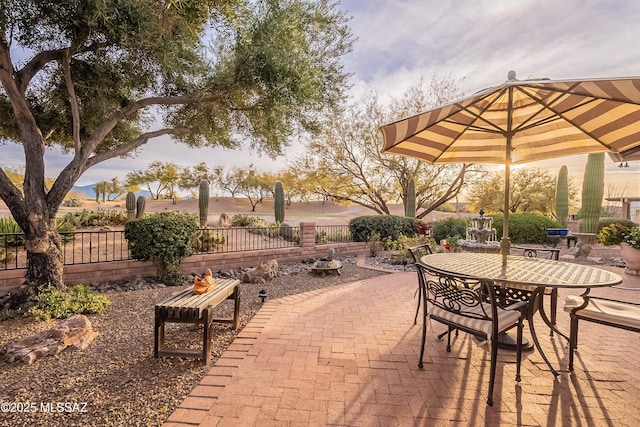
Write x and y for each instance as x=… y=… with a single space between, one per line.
x=410 y=201
x=131 y=205
x=141 y=203
x=278 y=202
x=203 y=202
x=562 y=196
x=592 y=193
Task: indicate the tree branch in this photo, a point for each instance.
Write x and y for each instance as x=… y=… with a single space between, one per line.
x=75 y=114
x=127 y=148
x=103 y=130
x=12 y=197
x=79 y=165
x=37 y=63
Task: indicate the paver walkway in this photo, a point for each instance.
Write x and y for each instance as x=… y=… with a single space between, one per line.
x=348 y=356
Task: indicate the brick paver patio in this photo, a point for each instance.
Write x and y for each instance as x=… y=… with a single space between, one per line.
x=348 y=356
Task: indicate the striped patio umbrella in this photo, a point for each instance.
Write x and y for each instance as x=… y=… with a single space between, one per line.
x=522 y=121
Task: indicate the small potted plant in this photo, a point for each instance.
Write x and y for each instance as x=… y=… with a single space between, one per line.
x=629 y=240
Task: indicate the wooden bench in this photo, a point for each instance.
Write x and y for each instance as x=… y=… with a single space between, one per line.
x=186 y=307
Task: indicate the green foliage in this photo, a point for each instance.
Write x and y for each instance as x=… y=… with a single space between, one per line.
x=289 y=233
x=450 y=228
x=54 y=303
x=278 y=202
x=11 y=235
x=206 y=240
x=241 y=220
x=374 y=244
x=592 y=193
x=562 y=197
x=633 y=238
x=87 y=218
x=203 y=202
x=607 y=221
x=337 y=236
x=72 y=203
x=130 y=203
x=613 y=234
x=363 y=227
x=166 y=239
x=525 y=227
x=619 y=232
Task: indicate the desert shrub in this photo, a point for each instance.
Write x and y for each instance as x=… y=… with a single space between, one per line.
x=54 y=303
x=289 y=233
x=374 y=244
x=450 y=228
x=206 y=240
x=225 y=220
x=363 y=227
x=166 y=239
x=240 y=220
x=72 y=202
x=87 y=218
x=525 y=227
x=608 y=221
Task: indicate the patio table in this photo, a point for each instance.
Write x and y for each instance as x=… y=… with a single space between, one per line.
x=538 y=273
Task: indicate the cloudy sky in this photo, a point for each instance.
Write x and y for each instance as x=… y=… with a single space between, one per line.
x=476 y=41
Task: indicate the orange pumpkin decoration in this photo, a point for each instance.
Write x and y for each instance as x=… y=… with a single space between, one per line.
x=204 y=285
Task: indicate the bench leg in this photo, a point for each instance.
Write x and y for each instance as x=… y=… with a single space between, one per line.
x=158 y=341
x=206 y=337
x=236 y=308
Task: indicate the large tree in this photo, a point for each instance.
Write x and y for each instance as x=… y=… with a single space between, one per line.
x=346 y=162
x=102 y=78
x=532 y=190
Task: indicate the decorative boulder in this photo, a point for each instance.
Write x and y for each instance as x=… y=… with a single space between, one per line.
x=75 y=332
x=262 y=273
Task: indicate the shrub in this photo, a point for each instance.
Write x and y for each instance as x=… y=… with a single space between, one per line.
x=614 y=234
x=205 y=240
x=363 y=227
x=374 y=244
x=525 y=227
x=11 y=234
x=87 y=218
x=72 y=202
x=422 y=228
x=450 y=229
x=289 y=233
x=240 y=220
x=166 y=239
x=54 y=303
x=607 y=221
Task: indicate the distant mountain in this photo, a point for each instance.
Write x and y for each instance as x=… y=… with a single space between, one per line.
x=87 y=192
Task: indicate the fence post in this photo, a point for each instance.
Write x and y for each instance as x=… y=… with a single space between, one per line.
x=308 y=238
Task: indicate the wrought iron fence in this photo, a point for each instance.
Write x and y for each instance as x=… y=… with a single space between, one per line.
x=327 y=234
x=85 y=247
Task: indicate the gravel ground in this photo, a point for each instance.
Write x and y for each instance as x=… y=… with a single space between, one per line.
x=116 y=381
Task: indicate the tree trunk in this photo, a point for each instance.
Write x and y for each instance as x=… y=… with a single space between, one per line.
x=44 y=256
x=45 y=266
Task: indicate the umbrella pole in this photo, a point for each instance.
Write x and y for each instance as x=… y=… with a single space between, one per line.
x=505 y=243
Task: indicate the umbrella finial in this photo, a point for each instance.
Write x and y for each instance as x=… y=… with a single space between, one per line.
x=511 y=75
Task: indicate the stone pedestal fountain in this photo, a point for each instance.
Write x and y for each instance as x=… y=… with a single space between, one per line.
x=481 y=237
